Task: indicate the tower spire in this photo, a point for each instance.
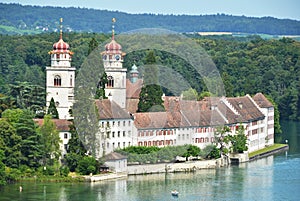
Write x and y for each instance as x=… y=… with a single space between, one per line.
x=113 y=28
x=61 y=26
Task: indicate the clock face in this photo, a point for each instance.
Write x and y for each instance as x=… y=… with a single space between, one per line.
x=117 y=57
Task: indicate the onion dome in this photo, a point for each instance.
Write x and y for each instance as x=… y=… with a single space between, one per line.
x=134 y=69
x=113 y=48
x=61 y=46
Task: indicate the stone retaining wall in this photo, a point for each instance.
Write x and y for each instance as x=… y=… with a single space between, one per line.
x=175 y=167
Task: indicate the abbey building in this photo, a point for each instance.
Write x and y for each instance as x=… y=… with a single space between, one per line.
x=183 y=122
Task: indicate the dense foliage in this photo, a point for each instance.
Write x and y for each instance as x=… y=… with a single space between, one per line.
x=142 y=154
x=247 y=66
x=25 y=148
x=151 y=92
x=33 y=19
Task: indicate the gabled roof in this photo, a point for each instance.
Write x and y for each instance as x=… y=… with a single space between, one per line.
x=132 y=105
x=207 y=112
x=110 y=110
x=114 y=156
x=61 y=124
x=152 y=120
x=246 y=109
x=133 y=90
x=262 y=101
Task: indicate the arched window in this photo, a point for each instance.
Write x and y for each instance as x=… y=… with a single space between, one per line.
x=110 y=81
x=57 y=81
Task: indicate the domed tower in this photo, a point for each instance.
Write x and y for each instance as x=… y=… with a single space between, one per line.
x=116 y=75
x=134 y=74
x=60 y=77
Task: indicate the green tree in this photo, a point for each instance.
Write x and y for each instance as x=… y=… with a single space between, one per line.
x=11 y=144
x=49 y=141
x=93 y=44
x=6 y=102
x=22 y=121
x=238 y=141
x=221 y=140
x=76 y=150
x=2 y=169
x=190 y=94
x=100 y=92
x=87 y=165
x=52 y=110
x=151 y=94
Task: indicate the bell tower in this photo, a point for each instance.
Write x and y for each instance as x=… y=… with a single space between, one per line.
x=116 y=75
x=60 y=77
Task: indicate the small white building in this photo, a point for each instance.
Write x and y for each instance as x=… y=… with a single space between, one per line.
x=116 y=162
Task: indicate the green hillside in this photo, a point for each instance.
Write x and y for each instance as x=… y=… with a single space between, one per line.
x=91 y=20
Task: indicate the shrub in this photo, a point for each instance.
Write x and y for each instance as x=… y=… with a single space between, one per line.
x=85 y=165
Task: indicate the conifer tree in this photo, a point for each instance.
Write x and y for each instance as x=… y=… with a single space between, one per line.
x=151 y=93
x=52 y=109
x=93 y=44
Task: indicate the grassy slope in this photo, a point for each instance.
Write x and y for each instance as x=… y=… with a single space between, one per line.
x=266 y=149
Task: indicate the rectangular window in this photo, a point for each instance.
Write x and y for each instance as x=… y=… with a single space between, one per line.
x=119 y=123
x=129 y=123
x=118 y=133
x=66 y=135
x=108 y=134
x=129 y=133
x=124 y=134
x=113 y=134
x=123 y=144
x=124 y=122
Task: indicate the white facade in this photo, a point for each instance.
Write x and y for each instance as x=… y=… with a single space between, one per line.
x=60 y=79
x=65 y=136
x=115 y=134
x=63 y=93
x=116 y=74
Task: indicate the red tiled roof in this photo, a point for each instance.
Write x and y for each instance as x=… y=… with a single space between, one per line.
x=61 y=124
x=133 y=90
x=132 y=105
x=110 y=110
x=147 y=120
x=262 y=101
x=246 y=108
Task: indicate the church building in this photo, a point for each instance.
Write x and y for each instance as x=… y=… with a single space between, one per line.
x=183 y=122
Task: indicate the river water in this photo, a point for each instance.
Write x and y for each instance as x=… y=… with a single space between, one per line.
x=276 y=177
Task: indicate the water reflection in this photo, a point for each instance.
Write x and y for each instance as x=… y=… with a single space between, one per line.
x=272 y=178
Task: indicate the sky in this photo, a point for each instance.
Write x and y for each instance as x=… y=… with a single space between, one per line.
x=256 y=8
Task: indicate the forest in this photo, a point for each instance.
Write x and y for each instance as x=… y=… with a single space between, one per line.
x=247 y=66
x=36 y=19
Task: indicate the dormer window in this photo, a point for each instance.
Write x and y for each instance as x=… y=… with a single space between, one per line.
x=57 y=81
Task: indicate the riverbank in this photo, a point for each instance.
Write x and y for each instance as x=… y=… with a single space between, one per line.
x=188 y=166
x=268 y=151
